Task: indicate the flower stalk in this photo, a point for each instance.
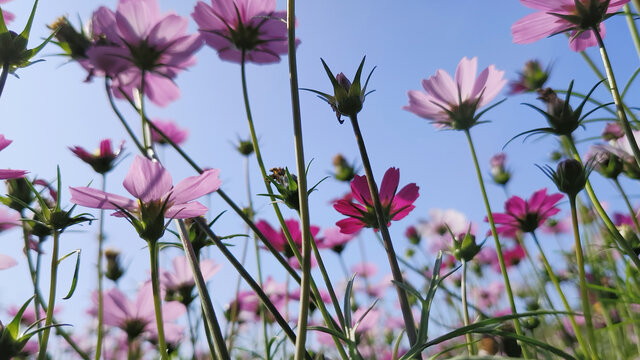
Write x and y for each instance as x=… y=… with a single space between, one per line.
x=494 y=232
x=384 y=231
x=42 y=355
x=465 y=308
x=100 y=330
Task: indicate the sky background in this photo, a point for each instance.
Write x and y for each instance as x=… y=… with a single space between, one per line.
x=50 y=108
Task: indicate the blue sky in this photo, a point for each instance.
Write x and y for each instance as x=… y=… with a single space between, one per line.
x=50 y=108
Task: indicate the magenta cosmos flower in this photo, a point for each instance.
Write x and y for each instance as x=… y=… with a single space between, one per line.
x=6 y=174
x=452 y=104
x=279 y=240
x=101 y=160
x=249 y=27
x=171 y=130
x=157 y=198
x=526 y=215
x=395 y=206
x=557 y=16
x=138 y=39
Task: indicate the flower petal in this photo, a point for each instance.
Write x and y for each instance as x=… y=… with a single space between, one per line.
x=147 y=180
x=536 y=26
x=185 y=211
x=194 y=187
x=98 y=199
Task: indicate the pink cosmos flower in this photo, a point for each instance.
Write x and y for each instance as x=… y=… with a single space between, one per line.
x=279 y=240
x=137 y=317
x=102 y=160
x=8 y=17
x=151 y=185
x=557 y=16
x=150 y=43
x=9 y=174
x=452 y=104
x=487 y=296
x=7 y=262
x=435 y=229
x=180 y=282
x=526 y=216
x=361 y=213
x=333 y=239
x=365 y=269
x=249 y=27
x=512 y=257
x=169 y=128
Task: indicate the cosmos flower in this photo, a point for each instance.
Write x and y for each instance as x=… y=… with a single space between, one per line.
x=526 y=215
x=558 y=16
x=361 y=213
x=171 y=130
x=102 y=160
x=452 y=104
x=6 y=174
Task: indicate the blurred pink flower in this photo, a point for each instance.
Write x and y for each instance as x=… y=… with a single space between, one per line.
x=7 y=262
x=279 y=240
x=365 y=269
x=526 y=216
x=487 y=296
x=435 y=228
x=102 y=160
x=512 y=257
x=6 y=174
x=151 y=185
x=557 y=16
x=136 y=317
x=333 y=239
x=556 y=227
x=249 y=27
x=169 y=128
x=182 y=277
x=452 y=104
x=152 y=44
x=394 y=205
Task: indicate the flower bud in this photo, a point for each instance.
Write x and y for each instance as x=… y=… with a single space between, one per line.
x=114 y=269
x=465 y=247
x=631 y=237
x=560 y=115
x=612 y=131
x=74 y=43
x=245 y=147
x=605 y=162
x=499 y=173
x=571 y=177
x=343 y=170
x=413 y=235
x=20 y=190
x=287 y=186
x=531 y=78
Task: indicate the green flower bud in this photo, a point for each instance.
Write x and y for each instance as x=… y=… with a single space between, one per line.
x=114 y=269
x=245 y=147
x=343 y=170
x=570 y=176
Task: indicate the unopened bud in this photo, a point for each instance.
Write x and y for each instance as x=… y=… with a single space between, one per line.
x=245 y=147
x=114 y=269
x=343 y=170
x=413 y=235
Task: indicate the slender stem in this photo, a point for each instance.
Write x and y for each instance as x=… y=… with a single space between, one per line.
x=157 y=302
x=252 y=283
x=556 y=283
x=619 y=239
x=100 y=334
x=192 y=332
x=3 y=77
x=633 y=29
x=135 y=140
x=205 y=299
x=303 y=311
x=622 y=115
x=494 y=232
x=36 y=284
x=632 y=213
x=586 y=306
x=465 y=308
x=384 y=231
x=42 y=355
x=146 y=131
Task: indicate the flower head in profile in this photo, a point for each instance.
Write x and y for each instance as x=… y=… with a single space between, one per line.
x=179 y=283
x=249 y=28
x=452 y=103
x=171 y=130
x=103 y=159
x=156 y=197
x=333 y=239
x=360 y=211
x=580 y=17
x=531 y=78
x=526 y=215
x=137 y=318
x=278 y=238
x=138 y=40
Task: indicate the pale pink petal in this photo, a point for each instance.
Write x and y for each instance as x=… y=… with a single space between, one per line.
x=97 y=199
x=172 y=310
x=135 y=18
x=7 y=262
x=143 y=306
x=164 y=31
x=185 y=211
x=466 y=75
x=586 y=39
x=117 y=308
x=549 y=5
x=160 y=89
x=489 y=83
x=209 y=268
x=147 y=180
x=442 y=87
x=536 y=26
x=194 y=187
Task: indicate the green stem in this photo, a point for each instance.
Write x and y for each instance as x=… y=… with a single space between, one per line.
x=42 y=355
x=192 y=332
x=303 y=312
x=36 y=284
x=586 y=306
x=556 y=283
x=619 y=239
x=384 y=231
x=622 y=115
x=157 y=302
x=494 y=232
x=465 y=308
x=112 y=102
x=632 y=212
x=220 y=347
x=3 y=77
x=100 y=334
x=633 y=29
